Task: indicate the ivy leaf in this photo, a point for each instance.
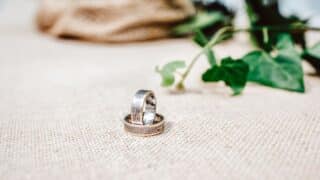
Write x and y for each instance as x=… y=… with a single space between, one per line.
x=283 y=71
x=280 y=72
x=168 y=70
x=215 y=6
x=201 y=40
x=232 y=72
x=200 y=21
x=284 y=41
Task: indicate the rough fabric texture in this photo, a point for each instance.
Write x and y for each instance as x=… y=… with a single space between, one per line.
x=112 y=20
x=61 y=103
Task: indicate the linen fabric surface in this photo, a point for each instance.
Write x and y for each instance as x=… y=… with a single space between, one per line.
x=61 y=105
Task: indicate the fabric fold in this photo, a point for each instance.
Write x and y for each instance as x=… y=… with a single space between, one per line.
x=112 y=20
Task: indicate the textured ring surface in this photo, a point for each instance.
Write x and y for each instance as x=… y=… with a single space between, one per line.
x=143 y=108
x=144 y=130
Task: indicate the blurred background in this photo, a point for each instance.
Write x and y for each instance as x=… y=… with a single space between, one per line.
x=15 y=14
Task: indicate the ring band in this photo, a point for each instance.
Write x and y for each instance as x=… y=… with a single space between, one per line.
x=143 y=108
x=144 y=130
x=143 y=119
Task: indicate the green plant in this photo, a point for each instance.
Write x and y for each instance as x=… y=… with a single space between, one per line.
x=276 y=63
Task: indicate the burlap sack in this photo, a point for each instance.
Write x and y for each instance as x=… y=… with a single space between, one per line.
x=112 y=20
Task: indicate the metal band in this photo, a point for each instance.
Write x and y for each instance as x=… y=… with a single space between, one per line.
x=143 y=108
x=144 y=130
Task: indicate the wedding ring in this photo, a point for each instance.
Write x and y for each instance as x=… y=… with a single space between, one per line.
x=143 y=119
x=144 y=130
x=143 y=108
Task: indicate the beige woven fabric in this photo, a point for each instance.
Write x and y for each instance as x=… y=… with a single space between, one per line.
x=112 y=20
x=61 y=103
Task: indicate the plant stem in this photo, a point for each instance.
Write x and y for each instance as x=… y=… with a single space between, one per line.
x=278 y=28
x=265 y=35
x=220 y=34
x=215 y=39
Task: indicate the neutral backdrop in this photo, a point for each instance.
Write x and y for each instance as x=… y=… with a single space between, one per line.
x=62 y=101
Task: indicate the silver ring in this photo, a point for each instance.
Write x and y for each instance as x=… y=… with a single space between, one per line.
x=143 y=119
x=143 y=108
x=144 y=130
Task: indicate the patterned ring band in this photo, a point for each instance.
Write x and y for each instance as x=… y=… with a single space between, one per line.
x=144 y=130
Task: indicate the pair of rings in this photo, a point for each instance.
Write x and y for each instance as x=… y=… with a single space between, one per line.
x=144 y=119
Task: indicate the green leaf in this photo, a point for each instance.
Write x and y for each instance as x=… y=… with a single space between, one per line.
x=199 y=21
x=201 y=40
x=312 y=55
x=284 y=41
x=232 y=72
x=168 y=70
x=284 y=71
x=215 y=6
